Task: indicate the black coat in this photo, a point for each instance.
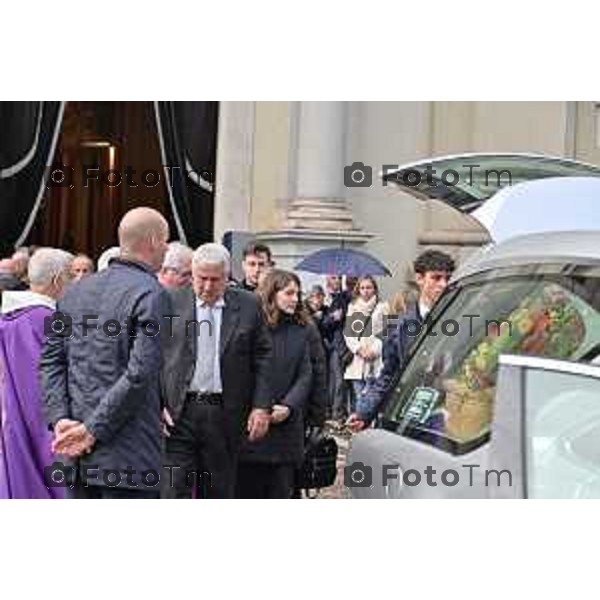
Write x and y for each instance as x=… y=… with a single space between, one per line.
x=245 y=355
x=316 y=408
x=291 y=375
x=110 y=383
x=333 y=331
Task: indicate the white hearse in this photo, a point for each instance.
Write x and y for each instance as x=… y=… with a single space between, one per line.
x=500 y=396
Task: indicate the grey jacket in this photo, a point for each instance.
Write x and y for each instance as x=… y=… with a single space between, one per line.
x=110 y=382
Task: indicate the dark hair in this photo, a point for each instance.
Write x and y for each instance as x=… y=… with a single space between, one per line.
x=433 y=260
x=274 y=282
x=254 y=248
x=359 y=280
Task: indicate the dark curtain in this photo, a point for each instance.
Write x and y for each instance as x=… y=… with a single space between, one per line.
x=84 y=217
x=28 y=133
x=188 y=132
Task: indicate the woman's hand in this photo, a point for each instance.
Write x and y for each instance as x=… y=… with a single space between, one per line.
x=279 y=413
x=367 y=352
x=370 y=354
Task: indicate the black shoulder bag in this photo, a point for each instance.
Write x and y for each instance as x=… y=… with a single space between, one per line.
x=319 y=468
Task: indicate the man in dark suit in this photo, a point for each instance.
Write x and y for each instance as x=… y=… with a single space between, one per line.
x=215 y=379
x=433 y=270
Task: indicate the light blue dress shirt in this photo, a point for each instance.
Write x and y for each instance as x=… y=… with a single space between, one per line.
x=201 y=380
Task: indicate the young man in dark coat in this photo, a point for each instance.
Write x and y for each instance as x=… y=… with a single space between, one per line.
x=433 y=270
x=332 y=327
x=257 y=260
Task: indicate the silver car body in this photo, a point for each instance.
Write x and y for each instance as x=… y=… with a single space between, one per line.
x=539 y=435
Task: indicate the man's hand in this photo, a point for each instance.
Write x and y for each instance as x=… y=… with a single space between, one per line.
x=63 y=426
x=280 y=413
x=355 y=423
x=61 y=430
x=258 y=423
x=73 y=441
x=166 y=422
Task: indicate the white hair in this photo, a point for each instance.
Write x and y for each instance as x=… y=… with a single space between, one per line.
x=111 y=252
x=177 y=255
x=213 y=254
x=47 y=264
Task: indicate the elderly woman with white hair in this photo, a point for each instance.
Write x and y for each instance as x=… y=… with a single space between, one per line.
x=107 y=256
x=24 y=435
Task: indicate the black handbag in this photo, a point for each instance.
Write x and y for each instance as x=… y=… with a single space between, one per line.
x=319 y=468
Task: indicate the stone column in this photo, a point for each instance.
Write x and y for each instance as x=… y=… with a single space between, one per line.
x=319 y=202
x=317 y=215
x=235 y=151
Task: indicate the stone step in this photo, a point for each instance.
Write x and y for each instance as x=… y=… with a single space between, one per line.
x=316 y=214
x=339 y=204
x=320 y=223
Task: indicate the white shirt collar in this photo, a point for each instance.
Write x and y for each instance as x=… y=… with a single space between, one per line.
x=15 y=300
x=220 y=303
x=423 y=310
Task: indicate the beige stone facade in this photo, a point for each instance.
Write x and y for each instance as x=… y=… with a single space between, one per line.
x=280 y=168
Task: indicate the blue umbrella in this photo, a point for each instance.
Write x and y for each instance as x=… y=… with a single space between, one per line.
x=342 y=261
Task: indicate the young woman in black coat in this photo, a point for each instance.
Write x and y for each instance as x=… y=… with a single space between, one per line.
x=267 y=466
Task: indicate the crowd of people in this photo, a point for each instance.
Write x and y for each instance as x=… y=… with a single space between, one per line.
x=159 y=375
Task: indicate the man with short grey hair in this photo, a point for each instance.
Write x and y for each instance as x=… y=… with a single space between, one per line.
x=45 y=268
x=176 y=270
x=215 y=379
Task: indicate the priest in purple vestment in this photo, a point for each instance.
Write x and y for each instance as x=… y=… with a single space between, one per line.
x=25 y=439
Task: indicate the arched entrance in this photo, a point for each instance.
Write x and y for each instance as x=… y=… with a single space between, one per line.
x=81 y=212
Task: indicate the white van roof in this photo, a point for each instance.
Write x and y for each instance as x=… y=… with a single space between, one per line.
x=568 y=247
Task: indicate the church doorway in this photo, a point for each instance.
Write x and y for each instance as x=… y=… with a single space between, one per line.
x=111 y=161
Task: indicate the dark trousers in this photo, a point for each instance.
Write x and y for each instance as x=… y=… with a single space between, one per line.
x=265 y=481
x=337 y=389
x=100 y=492
x=199 y=457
